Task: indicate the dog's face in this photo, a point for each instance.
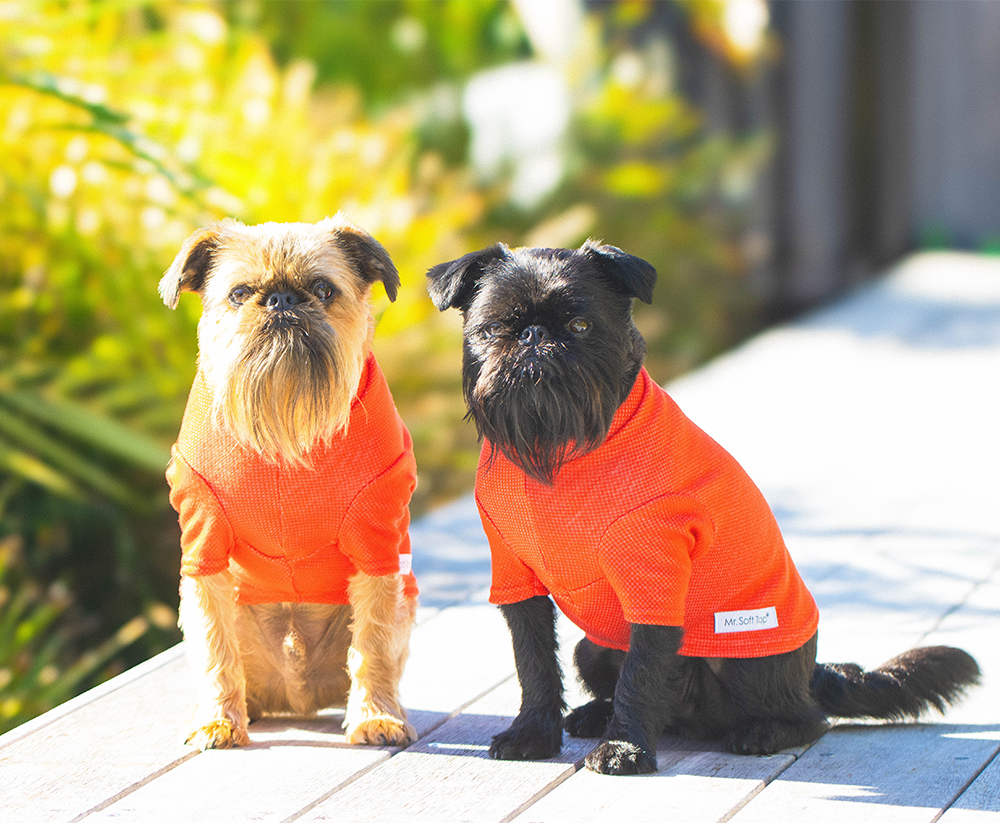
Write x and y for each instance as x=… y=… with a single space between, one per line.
x=285 y=326
x=550 y=349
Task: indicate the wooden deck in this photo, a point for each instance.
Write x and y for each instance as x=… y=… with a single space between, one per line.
x=873 y=428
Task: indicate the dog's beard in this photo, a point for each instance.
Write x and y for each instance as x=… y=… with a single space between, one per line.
x=288 y=386
x=540 y=414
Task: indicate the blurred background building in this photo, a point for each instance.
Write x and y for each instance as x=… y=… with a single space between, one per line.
x=764 y=156
x=890 y=121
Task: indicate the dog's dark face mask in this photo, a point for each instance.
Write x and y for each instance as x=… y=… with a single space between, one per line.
x=550 y=348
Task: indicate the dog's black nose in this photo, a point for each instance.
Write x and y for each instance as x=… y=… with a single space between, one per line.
x=280 y=300
x=533 y=335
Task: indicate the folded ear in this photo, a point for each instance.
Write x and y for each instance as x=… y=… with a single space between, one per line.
x=368 y=257
x=632 y=274
x=452 y=285
x=191 y=265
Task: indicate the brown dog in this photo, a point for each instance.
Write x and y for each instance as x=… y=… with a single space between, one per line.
x=292 y=477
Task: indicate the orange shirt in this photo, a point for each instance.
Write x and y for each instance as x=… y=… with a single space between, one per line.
x=291 y=533
x=659 y=525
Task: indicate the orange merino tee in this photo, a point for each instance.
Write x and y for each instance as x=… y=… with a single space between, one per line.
x=659 y=525
x=294 y=533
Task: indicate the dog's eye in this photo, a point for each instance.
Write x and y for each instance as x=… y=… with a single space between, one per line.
x=494 y=329
x=240 y=295
x=579 y=325
x=324 y=290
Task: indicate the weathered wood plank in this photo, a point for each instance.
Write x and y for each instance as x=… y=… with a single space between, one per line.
x=103 y=748
x=451 y=557
x=291 y=764
x=102 y=689
x=875 y=412
x=449 y=777
x=974 y=626
x=454 y=658
x=878 y=774
x=286 y=767
x=904 y=584
x=693 y=782
x=981 y=801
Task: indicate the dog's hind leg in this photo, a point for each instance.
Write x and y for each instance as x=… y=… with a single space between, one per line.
x=294 y=656
x=325 y=631
x=761 y=705
x=771 y=735
x=598 y=668
x=262 y=631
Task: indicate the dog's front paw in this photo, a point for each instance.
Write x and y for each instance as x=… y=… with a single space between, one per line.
x=366 y=722
x=621 y=757
x=591 y=719
x=219 y=734
x=378 y=728
x=528 y=740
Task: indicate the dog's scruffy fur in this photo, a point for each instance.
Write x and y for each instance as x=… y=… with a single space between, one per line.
x=550 y=352
x=284 y=334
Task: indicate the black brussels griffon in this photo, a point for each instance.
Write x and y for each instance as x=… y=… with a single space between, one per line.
x=596 y=492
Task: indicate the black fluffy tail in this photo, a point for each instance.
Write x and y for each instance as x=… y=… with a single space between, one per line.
x=900 y=688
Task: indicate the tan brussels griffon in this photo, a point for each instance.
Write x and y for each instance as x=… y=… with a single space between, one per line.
x=291 y=476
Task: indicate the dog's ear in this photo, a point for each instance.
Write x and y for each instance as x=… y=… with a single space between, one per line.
x=632 y=274
x=368 y=257
x=452 y=285
x=191 y=265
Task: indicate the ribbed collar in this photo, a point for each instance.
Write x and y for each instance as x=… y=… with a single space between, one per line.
x=627 y=410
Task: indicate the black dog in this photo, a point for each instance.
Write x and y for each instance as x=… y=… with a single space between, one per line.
x=595 y=491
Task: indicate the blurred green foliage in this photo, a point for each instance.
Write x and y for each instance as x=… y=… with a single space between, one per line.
x=427 y=44
x=126 y=125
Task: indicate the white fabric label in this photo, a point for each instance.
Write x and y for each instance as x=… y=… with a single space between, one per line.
x=750 y=620
x=405 y=563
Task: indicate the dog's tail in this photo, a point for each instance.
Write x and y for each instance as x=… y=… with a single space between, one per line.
x=900 y=688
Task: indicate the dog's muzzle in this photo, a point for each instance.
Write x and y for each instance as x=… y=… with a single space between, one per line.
x=534 y=336
x=280 y=301
x=533 y=341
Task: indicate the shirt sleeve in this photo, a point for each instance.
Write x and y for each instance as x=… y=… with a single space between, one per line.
x=206 y=535
x=647 y=555
x=513 y=581
x=376 y=526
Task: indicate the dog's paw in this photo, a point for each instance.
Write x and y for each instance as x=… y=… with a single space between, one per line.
x=590 y=720
x=772 y=735
x=527 y=741
x=381 y=729
x=621 y=757
x=755 y=739
x=219 y=734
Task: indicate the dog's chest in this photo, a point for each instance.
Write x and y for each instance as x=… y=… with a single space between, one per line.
x=279 y=510
x=282 y=511
x=555 y=534
x=290 y=511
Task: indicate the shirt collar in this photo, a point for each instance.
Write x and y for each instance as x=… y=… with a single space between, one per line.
x=365 y=381
x=627 y=410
